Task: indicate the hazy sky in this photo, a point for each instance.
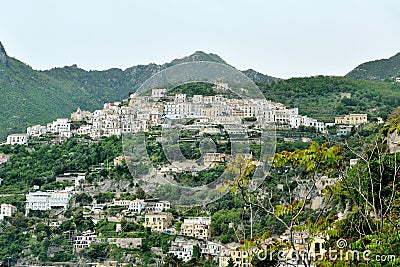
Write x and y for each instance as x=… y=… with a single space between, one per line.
x=280 y=38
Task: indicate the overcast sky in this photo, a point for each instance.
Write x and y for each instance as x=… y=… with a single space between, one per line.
x=286 y=38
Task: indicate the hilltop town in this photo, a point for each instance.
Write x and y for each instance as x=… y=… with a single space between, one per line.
x=140 y=113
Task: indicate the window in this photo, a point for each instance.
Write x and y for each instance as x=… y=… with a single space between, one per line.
x=317 y=248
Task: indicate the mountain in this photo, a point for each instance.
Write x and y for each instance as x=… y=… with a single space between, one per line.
x=258 y=77
x=197 y=56
x=3 y=55
x=377 y=70
x=30 y=97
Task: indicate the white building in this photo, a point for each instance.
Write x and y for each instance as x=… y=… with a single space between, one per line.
x=155 y=205
x=198 y=220
x=221 y=86
x=310 y=122
x=47 y=200
x=182 y=248
x=158 y=93
x=282 y=116
x=137 y=206
x=197 y=99
x=17 y=139
x=121 y=203
x=80 y=115
x=210 y=250
x=84 y=240
x=180 y=98
x=7 y=210
x=59 y=125
x=84 y=129
x=36 y=130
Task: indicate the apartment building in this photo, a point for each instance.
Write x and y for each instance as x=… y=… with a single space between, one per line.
x=17 y=139
x=199 y=227
x=137 y=206
x=158 y=221
x=210 y=250
x=158 y=93
x=84 y=240
x=156 y=205
x=182 y=248
x=351 y=119
x=59 y=125
x=47 y=200
x=180 y=98
x=241 y=258
x=36 y=130
x=344 y=129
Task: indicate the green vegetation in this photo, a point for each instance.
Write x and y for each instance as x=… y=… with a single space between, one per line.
x=230 y=214
x=203 y=177
x=39 y=165
x=377 y=70
x=190 y=89
x=368 y=194
x=319 y=97
x=197 y=56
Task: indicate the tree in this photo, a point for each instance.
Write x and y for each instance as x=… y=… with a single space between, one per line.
x=172 y=260
x=97 y=251
x=231 y=263
x=83 y=199
x=369 y=197
x=82 y=223
x=304 y=167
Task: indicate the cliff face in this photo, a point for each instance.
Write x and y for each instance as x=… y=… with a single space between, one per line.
x=3 y=55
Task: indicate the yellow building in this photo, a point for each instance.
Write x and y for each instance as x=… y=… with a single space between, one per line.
x=199 y=227
x=158 y=221
x=304 y=245
x=213 y=159
x=352 y=119
x=241 y=258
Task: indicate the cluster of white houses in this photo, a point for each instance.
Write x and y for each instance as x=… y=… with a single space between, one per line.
x=303 y=243
x=158 y=220
x=146 y=111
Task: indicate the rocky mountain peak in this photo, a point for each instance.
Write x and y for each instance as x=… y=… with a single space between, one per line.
x=3 y=55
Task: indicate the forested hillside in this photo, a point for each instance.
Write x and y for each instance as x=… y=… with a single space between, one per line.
x=320 y=96
x=377 y=70
x=31 y=97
